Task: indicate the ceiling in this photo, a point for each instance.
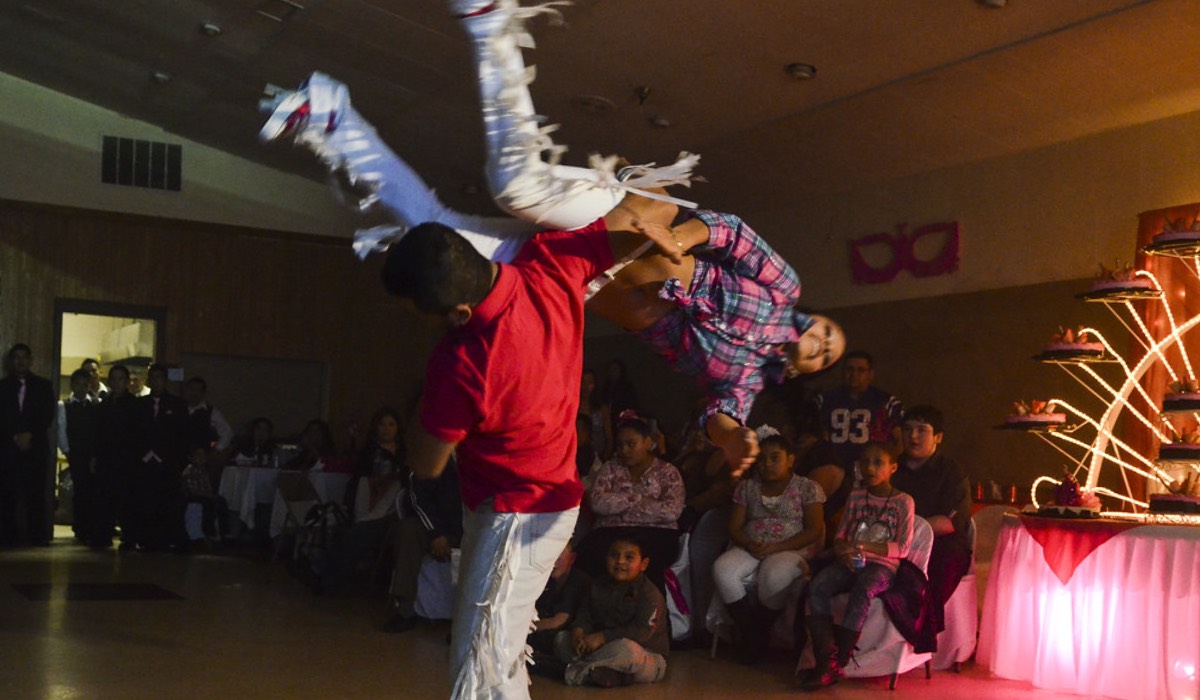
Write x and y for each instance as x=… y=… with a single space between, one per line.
x=901 y=87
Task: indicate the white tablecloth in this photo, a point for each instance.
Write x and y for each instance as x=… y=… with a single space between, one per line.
x=330 y=486
x=243 y=488
x=1120 y=618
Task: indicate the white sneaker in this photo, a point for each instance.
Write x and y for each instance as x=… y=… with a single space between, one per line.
x=316 y=109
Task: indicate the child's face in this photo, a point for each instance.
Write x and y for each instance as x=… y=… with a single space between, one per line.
x=774 y=462
x=877 y=467
x=633 y=448
x=920 y=440
x=625 y=562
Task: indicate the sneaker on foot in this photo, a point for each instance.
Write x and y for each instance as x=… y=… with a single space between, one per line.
x=313 y=110
x=607 y=677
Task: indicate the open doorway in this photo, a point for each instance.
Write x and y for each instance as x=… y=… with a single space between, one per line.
x=107 y=332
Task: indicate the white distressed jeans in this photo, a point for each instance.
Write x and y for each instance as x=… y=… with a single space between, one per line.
x=506 y=561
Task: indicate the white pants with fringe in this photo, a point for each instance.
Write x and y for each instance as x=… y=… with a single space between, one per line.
x=506 y=561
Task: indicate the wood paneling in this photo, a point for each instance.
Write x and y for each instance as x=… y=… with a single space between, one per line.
x=227 y=291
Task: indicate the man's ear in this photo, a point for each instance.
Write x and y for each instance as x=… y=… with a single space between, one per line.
x=459 y=315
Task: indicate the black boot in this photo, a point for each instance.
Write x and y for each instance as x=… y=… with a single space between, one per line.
x=827 y=671
x=846 y=638
x=744 y=614
x=762 y=620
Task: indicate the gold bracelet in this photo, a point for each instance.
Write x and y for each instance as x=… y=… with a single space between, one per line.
x=675 y=236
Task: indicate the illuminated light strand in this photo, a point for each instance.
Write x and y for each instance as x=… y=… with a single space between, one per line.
x=1061 y=449
x=1100 y=430
x=1033 y=489
x=1120 y=463
x=1166 y=304
x=1109 y=418
x=1083 y=383
x=1153 y=347
x=1162 y=437
x=1102 y=490
x=1114 y=494
x=1125 y=366
x=1132 y=333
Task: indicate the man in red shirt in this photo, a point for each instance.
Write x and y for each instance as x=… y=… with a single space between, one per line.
x=502 y=391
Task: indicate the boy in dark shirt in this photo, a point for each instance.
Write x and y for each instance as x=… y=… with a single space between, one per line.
x=620 y=635
x=557 y=607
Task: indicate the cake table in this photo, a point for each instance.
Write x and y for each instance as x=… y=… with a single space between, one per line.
x=1104 y=607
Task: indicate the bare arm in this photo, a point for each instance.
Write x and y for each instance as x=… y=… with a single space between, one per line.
x=427 y=456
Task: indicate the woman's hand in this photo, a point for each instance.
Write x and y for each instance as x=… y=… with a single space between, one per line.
x=665 y=237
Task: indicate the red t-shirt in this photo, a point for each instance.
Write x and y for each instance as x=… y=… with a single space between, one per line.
x=505 y=386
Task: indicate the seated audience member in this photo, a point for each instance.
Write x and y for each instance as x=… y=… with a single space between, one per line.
x=316 y=447
x=858 y=411
x=596 y=414
x=874 y=535
x=435 y=529
x=708 y=486
x=116 y=457
x=620 y=635
x=818 y=460
x=198 y=489
x=381 y=466
x=206 y=425
x=587 y=459
x=635 y=495
x=556 y=609
x=618 y=395
x=776 y=524
x=257 y=449
x=942 y=495
x=77 y=438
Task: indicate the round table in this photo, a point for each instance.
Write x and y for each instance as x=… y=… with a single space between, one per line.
x=1107 y=607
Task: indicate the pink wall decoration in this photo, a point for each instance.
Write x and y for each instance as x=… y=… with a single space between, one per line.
x=902 y=248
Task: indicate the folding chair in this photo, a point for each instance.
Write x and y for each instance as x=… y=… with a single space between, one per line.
x=956 y=643
x=299 y=496
x=882 y=650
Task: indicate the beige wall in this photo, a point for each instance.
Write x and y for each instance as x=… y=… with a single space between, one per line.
x=1047 y=215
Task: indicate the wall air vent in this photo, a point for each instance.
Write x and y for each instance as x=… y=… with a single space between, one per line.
x=138 y=163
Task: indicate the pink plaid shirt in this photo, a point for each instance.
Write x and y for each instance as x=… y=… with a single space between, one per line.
x=729 y=333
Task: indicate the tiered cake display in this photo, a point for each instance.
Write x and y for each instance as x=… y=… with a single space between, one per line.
x=1171 y=474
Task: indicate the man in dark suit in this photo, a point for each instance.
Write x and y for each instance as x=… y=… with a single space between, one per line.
x=156 y=490
x=26 y=411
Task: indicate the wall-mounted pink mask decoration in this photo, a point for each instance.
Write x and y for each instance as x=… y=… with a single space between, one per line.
x=902 y=247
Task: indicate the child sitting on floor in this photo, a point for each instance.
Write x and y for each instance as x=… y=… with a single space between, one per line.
x=873 y=536
x=620 y=635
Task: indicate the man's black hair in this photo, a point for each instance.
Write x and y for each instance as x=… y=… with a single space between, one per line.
x=859 y=355
x=437 y=268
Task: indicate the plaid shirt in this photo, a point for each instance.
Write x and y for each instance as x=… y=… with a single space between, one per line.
x=729 y=333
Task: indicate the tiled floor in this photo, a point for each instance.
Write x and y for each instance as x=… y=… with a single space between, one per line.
x=243 y=629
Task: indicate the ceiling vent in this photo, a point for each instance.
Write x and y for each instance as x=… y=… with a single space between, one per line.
x=137 y=163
